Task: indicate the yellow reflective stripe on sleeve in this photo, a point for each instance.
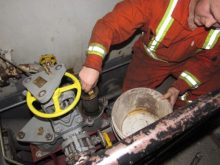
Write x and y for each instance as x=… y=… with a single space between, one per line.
x=191 y=80
x=211 y=39
x=96 y=49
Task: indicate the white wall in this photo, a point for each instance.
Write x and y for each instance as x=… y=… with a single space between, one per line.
x=60 y=27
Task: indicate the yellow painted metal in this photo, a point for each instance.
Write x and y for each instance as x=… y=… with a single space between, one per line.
x=48 y=58
x=58 y=111
x=107 y=139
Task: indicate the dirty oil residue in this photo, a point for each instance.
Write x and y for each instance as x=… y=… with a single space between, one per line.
x=136 y=120
x=137 y=111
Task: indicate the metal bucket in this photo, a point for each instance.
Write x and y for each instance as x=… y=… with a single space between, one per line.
x=137 y=108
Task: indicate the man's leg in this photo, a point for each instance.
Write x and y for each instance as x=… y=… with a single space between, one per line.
x=145 y=72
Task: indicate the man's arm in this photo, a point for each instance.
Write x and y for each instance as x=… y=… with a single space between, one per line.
x=115 y=27
x=198 y=70
x=88 y=78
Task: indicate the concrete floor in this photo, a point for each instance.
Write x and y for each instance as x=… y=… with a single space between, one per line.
x=205 y=145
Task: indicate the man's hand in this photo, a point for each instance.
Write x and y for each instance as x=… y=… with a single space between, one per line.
x=88 y=78
x=172 y=94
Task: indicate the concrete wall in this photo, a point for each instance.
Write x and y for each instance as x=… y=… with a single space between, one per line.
x=60 y=27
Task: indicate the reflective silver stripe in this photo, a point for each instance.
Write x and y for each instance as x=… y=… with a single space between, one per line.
x=192 y=81
x=212 y=39
x=152 y=54
x=188 y=77
x=184 y=98
x=97 y=49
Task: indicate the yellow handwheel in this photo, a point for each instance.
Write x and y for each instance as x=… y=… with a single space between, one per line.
x=58 y=111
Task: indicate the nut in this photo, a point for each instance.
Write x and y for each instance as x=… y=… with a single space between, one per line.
x=38 y=154
x=49 y=136
x=21 y=135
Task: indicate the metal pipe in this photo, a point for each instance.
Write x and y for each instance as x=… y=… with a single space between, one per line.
x=12 y=106
x=144 y=142
x=111 y=95
x=3 y=150
x=116 y=66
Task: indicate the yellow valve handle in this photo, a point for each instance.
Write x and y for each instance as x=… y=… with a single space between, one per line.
x=47 y=58
x=58 y=111
x=107 y=139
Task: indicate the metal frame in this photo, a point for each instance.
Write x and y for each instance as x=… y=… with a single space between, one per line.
x=3 y=150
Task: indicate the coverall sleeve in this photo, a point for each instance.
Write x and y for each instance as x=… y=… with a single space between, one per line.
x=116 y=27
x=199 y=69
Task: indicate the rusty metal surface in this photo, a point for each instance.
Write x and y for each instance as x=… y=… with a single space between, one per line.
x=18 y=67
x=152 y=137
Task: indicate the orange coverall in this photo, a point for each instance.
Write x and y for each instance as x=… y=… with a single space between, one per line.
x=181 y=52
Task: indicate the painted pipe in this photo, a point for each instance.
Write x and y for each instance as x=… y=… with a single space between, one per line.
x=147 y=140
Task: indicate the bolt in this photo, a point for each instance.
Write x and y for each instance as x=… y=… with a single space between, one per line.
x=49 y=136
x=58 y=129
x=27 y=80
x=42 y=93
x=106 y=122
x=78 y=119
x=89 y=118
x=58 y=67
x=38 y=154
x=21 y=135
x=66 y=119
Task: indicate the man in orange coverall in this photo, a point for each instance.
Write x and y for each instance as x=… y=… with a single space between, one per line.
x=179 y=37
